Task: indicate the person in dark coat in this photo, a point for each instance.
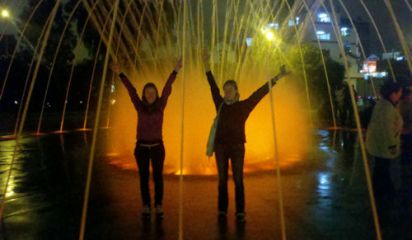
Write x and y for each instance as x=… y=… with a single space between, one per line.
x=227 y=136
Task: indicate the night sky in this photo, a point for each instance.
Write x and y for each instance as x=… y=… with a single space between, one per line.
x=384 y=21
x=377 y=8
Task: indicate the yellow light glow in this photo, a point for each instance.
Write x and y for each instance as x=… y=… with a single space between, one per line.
x=5 y=13
x=264 y=30
x=270 y=35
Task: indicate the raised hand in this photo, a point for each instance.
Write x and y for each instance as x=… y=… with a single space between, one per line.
x=282 y=72
x=115 y=67
x=178 y=65
x=206 y=59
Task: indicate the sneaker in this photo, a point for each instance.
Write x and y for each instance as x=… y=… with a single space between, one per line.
x=146 y=211
x=159 y=211
x=240 y=217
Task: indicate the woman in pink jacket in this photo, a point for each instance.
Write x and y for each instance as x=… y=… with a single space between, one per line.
x=149 y=146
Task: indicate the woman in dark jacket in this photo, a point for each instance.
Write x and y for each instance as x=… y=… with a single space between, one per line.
x=228 y=136
x=149 y=146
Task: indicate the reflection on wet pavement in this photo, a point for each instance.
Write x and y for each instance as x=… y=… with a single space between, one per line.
x=325 y=196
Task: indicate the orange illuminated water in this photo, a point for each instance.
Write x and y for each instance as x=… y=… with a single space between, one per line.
x=291 y=119
x=185 y=30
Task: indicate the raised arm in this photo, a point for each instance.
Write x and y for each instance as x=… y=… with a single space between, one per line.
x=167 y=89
x=255 y=98
x=217 y=98
x=129 y=86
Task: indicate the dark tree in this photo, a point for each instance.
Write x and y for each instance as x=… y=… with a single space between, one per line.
x=316 y=78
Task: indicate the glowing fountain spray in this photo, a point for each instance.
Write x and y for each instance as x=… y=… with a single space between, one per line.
x=151 y=35
x=251 y=66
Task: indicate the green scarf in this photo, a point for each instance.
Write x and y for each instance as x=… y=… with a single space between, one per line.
x=210 y=148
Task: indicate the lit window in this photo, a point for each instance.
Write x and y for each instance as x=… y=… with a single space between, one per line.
x=347 y=47
x=400 y=58
x=249 y=41
x=322 y=35
x=323 y=17
x=345 y=31
x=273 y=26
x=325 y=36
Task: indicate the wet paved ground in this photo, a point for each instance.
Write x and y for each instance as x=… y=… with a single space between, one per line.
x=325 y=197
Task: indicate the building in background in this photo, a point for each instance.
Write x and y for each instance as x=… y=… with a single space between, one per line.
x=338 y=40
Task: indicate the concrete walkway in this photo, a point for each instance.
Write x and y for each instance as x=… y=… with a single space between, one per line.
x=325 y=197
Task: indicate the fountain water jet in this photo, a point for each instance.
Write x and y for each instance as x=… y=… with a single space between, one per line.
x=195 y=161
x=152 y=34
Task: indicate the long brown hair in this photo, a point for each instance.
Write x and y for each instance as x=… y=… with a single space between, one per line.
x=233 y=83
x=154 y=106
x=146 y=86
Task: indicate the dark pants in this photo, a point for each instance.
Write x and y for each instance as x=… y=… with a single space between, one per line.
x=382 y=182
x=406 y=149
x=346 y=115
x=156 y=155
x=406 y=161
x=236 y=154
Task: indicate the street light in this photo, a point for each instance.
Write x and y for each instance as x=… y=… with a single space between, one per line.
x=270 y=35
x=5 y=13
x=268 y=32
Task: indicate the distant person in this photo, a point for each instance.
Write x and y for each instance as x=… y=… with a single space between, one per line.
x=227 y=136
x=367 y=112
x=149 y=145
x=345 y=105
x=383 y=138
x=406 y=138
x=340 y=104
